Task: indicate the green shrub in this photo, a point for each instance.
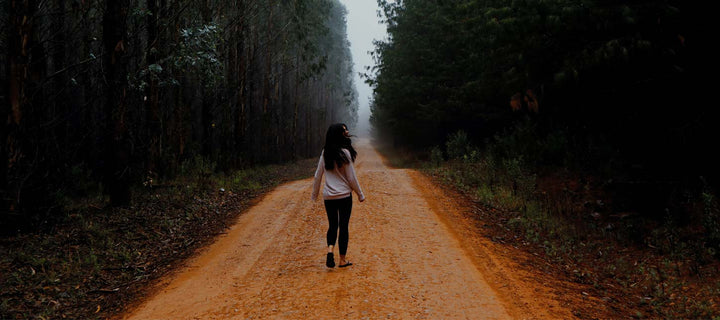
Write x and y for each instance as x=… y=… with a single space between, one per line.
x=555 y=149
x=473 y=157
x=711 y=219
x=521 y=139
x=484 y=194
x=199 y=170
x=436 y=156
x=243 y=180
x=458 y=145
x=197 y=166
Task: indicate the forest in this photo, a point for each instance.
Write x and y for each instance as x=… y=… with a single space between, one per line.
x=107 y=95
x=611 y=87
x=608 y=88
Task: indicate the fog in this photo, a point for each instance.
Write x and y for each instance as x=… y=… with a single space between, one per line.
x=363 y=27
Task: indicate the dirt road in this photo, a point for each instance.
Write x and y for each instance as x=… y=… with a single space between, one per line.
x=410 y=262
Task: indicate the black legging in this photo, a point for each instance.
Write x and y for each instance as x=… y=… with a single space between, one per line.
x=338 y=210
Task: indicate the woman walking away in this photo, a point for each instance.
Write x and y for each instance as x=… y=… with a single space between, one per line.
x=336 y=162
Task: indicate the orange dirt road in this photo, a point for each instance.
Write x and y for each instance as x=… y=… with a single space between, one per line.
x=413 y=257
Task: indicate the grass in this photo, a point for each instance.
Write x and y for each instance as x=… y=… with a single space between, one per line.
x=97 y=260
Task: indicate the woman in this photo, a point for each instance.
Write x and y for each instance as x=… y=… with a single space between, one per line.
x=336 y=162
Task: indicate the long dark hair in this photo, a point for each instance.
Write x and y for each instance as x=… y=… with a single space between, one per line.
x=335 y=141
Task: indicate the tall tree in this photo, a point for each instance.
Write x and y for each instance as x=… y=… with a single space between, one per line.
x=117 y=153
x=20 y=41
x=152 y=91
x=102 y=93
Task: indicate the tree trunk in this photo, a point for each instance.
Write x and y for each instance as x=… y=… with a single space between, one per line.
x=242 y=93
x=20 y=41
x=206 y=115
x=154 y=132
x=296 y=103
x=60 y=93
x=117 y=154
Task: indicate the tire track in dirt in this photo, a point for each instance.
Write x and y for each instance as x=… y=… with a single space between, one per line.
x=270 y=264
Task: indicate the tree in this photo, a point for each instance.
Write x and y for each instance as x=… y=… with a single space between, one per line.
x=609 y=71
x=109 y=93
x=117 y=153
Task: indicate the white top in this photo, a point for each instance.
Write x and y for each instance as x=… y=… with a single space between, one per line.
x=339 y=182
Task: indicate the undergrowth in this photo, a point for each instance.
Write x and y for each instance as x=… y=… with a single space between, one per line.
x=644 y=261
x=96 y=260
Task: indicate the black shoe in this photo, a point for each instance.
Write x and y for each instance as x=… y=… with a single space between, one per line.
x=330 y=262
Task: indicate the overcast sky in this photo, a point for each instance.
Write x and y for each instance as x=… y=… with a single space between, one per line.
x=363 y=27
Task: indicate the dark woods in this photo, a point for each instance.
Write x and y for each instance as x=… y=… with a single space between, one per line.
x=108 y=94
x=610 y=86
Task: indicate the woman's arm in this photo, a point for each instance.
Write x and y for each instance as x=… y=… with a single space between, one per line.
x=318 y=177
x=352 y=178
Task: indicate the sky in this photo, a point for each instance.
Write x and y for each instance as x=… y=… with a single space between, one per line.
x=363 y=27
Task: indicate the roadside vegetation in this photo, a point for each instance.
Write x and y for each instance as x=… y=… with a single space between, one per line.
x=96 y=260
x=647 y=254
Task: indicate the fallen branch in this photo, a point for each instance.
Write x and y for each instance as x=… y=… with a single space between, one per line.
x=104 y=291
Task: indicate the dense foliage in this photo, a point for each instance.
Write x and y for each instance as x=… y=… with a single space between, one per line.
x=113 y=93
x=618 y=82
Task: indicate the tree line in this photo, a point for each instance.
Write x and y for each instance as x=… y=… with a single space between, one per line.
x=108 y=94
x=621 y=81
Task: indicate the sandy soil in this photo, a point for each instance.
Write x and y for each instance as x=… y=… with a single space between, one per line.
x=415 y=256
